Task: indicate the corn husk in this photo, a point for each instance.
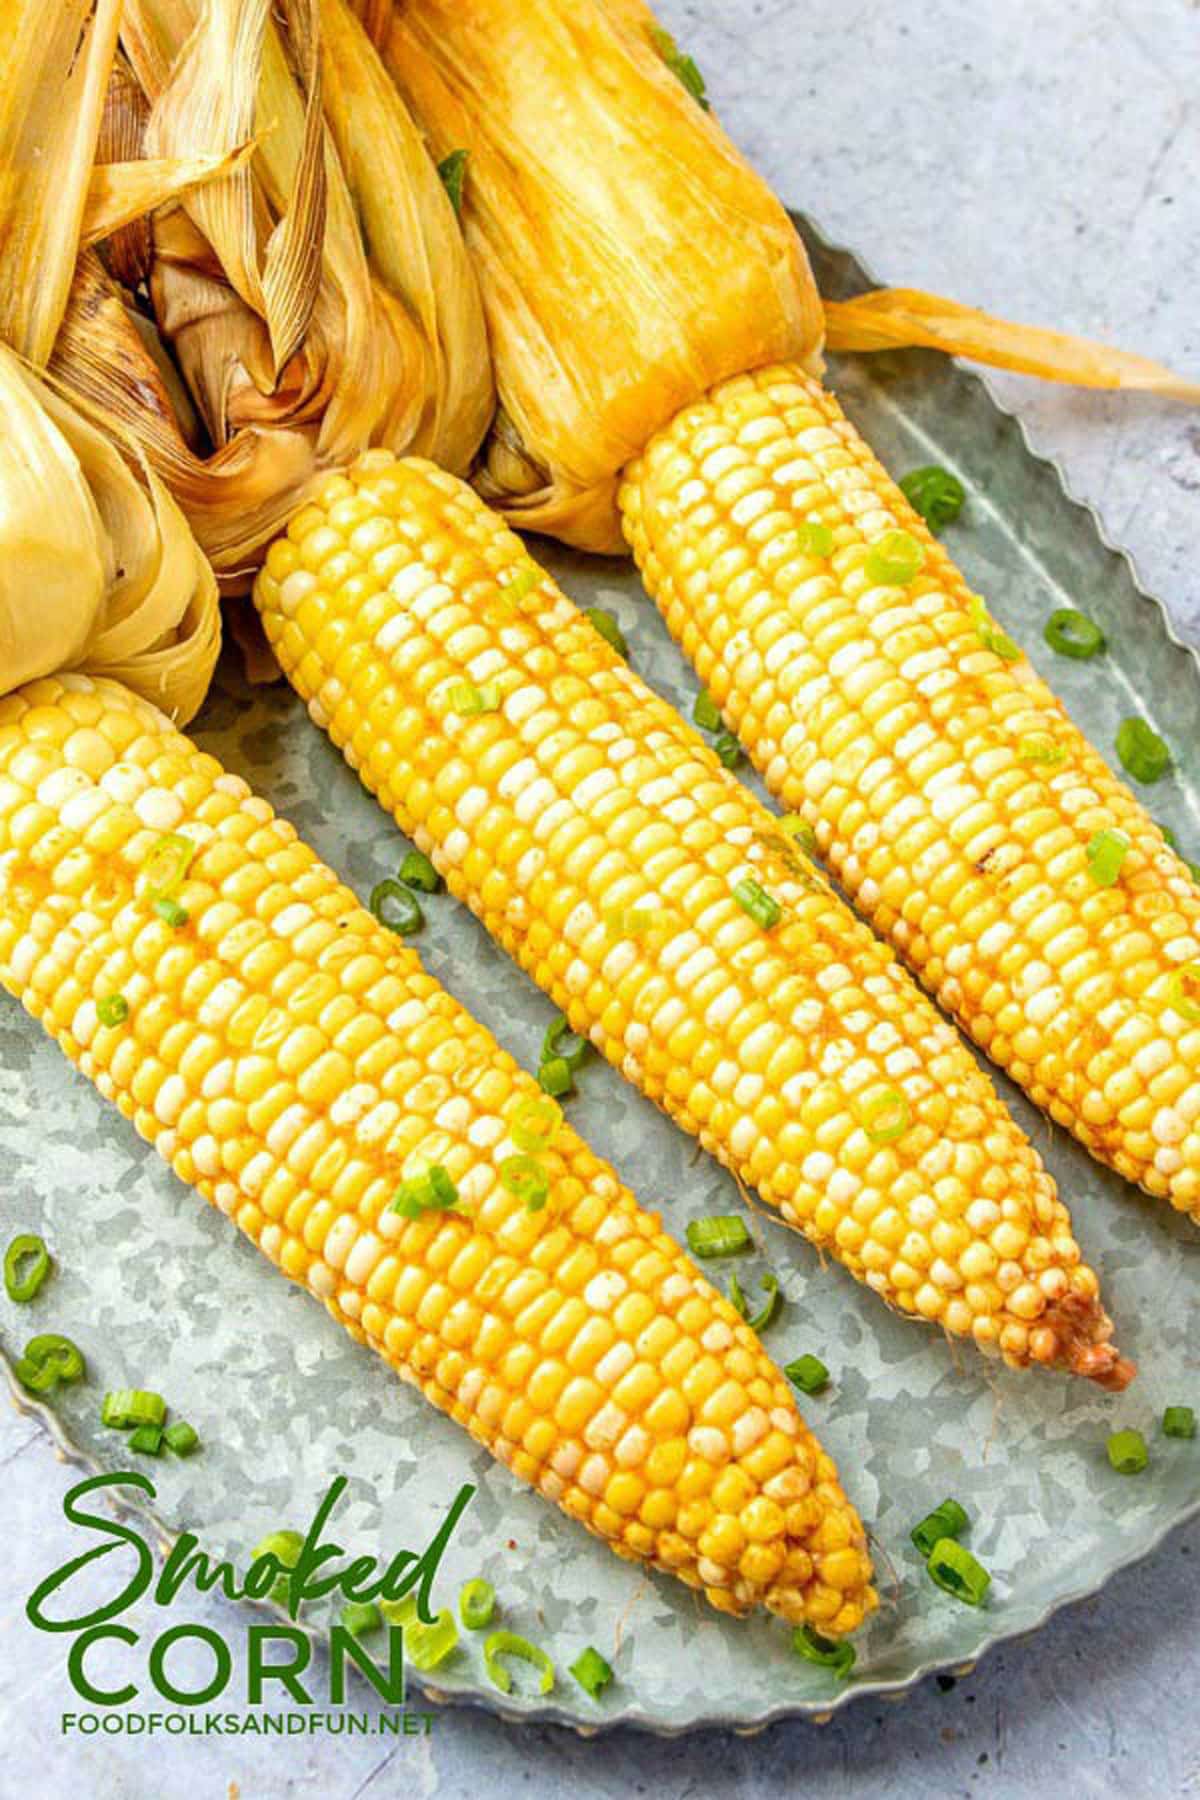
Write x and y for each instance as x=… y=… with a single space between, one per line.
x=629 y=258
x=98 y=568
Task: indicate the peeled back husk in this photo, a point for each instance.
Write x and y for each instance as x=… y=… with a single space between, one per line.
x=629 y=258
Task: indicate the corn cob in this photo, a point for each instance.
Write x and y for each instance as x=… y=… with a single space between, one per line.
x=946 y=786
x=293 y=1061
x=604 y=846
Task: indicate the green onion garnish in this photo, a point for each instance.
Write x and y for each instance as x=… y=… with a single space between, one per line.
x=1040 y=747
x=706 y=712
x=147 y=1440
x=453 y=171
x=476 y=1603
x=934 y=493
x=525 y=1178
x=989 y=633
x=560 y=1041
x=1127 y=1452
x=894 y=559
x=396 y=908
x=800 y=831
x=1106 y=852
x=132 y=1406
x=26 y=1266
x=1142 y=752
x=831 y=1653
x=285 y=1547
x=359 y=1617
x=554 y=1077
x=1072 y=633
x=1178 y=997
x=425 y=1646
x=720 y=1234
x=113 y=1009
x=592 y=1672
x=167 y=862
x=956 y=1571
x=728 y=750
x=885 y=1117
x=681 y=65
x=518 y=586
x=761 y=906
x=948 y=1520
x=808 y=1374
x=182 y=1438
x=431 y=1191
x=507 y=1643
x=1168 y=837
x=464 y=698
x=1179 y=1422
x=50 y=1360
x=175 y=916
x=770 y=1287
x=814 y=539
x=607 y=626
x=533 y=1123
x=416 y=871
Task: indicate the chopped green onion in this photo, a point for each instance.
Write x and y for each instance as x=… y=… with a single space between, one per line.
x=176 y=916
x=1142 y=752
x=770 y=1287
x=554 y=1077
x=607 y=626
x=761 y=906
x=681 y=65
x=1127 y=1452
x=934 y=493
x=166 y=864
x=808 y=1374
x=476 y=1603
x=957 y=1572
x=592 y=1672
x=26 y=1266
x=1179 y=1422
x=425 y=1646
x=885 y=1117
x=453 y=171
x=359 y=1617
x=113 y=1009
x=706 y=712
x=894 y=559
x=728 y=750
x=147 y=1440
x=285 y=1547
x=989 y=633
x=948 y=1520
x=396 y=908
x=1072 y=633
x=814 y=539
x=132 y=1406
x=464 y=698
x=720 y=1234
x=1168 y=837
x=431 y=1191
x=801 y=831
x=1040 y=747
x=560 y=1041
x=520 y=585
x=507 y=1643
x=527 y=1180
x=1106 y=852
x=533 y=1123
x=1177 y=992
x=50 y=1360
x=416 y=871
x=830 y=1653
x=181 y=1438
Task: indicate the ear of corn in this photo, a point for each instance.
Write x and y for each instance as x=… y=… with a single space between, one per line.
x=665 y=911
x=897 y=718
x=290 y=1059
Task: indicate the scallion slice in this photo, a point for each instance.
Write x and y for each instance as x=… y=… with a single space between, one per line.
x=167 y=862
x=26 y=1266
x=605 y=623
x=1179 y=1422
x=814 y=539
x=762 y=907
x=453 y=171
x=1072 y=633
x=705 y=711
x=1185 y=1003
x=770 y=1287
x=989 y=633
x=520 y=585
x=172 y=913
x=1040 y=747
x=126 y=1407
x=727 y=749
x=476 y=1603
x=885 y=1117
x=526 y=1179
x=957 y=1572
x=894 y=559
x=949 y=1520
x=934 y=493
x=425 y=1646
x=432 y=1190
x=1143 y=753
x=808 y=1374
x=554 y=1077
x=360 y=1617
x=720 y=1234
x=181 y=1438
x=830 y=1653
x=416 y=871
x=112 y=1009
x=533 y=1123
x=507 y=1643
x=285 y=1547
x=682 y=66
x=464 y=698
x=800 y=831
x=50 y=1360
x=147 y=1440
x=592 y=1672
x=561 y=1041
x=396 y=907
x=1127 y=1452
x=1106 y=853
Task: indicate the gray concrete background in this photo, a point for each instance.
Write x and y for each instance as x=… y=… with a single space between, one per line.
x=1039 y=160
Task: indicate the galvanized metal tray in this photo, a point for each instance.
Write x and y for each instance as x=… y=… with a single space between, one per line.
x=158 y=1288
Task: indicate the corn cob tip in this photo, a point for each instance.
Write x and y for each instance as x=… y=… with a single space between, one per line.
x=1074 y=1335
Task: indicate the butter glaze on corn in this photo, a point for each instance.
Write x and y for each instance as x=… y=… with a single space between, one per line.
x=877 y=713
x=291 y=1059
x=583 y=795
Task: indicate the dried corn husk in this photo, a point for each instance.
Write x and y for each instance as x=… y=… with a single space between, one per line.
x=98 y=568
x=628 y=256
